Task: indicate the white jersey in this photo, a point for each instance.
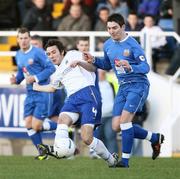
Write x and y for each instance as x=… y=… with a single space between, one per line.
x=73 y=79
x=54 y=74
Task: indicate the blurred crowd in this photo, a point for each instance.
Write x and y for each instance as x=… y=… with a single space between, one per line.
x=81 y=14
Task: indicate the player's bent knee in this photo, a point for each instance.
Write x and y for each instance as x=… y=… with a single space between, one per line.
x=116 y=127
x=65 y=118
x=87 y=139
x=37 y=126
x=116 y=124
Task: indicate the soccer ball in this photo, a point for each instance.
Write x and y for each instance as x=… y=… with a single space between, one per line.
x=64 y=148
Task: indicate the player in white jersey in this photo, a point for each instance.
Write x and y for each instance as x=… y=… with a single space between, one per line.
x=83 y=98
x=73 y=78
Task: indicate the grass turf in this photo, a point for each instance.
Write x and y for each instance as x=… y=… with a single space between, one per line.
x=12 y=167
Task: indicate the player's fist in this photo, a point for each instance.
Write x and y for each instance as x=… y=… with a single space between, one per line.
x=88 y=57
x=13 y=79
x=30 y=79
x=74 y=63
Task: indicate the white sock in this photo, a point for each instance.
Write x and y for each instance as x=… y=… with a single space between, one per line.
x=61 y=132
x=31 y=132
x=98 y=146
x=46 y=126
x=149 y=136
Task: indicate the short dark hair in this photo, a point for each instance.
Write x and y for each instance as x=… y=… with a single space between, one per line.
x=132 y=12
x=57 y=43
x=23 y=30
x=118 y=18
x=103 y=8
x=82 y=38
x=151 y=16
x=37 y=37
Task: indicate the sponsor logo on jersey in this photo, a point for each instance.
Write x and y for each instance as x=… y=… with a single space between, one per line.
x=30 y=61
x=126 y=52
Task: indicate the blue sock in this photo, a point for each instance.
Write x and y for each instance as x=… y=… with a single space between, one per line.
x=139 y=132
x=127 y=141
x=35 y=136
x=154 y=138
x=96 y=133
x=49 y=125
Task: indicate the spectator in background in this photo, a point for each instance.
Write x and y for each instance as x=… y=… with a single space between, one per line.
x=82 y=44
x=133 y=23
x=116 y=6
x=100 y=25
x=23 y=8
x=88 y=6
x=166 y=9
x=157 y=42
x=9 y=14
x=149 y=7
x=133 y=5
x=175 y=62
x=37 y=41
x=76 y=20
x=103 y=14
x=38 y=17
x=166 y=15
x=105 y=131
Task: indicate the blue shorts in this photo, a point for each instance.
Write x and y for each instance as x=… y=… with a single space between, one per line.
x=86 y=102
x=130 y=97
x=56 y=101
x=36 y=104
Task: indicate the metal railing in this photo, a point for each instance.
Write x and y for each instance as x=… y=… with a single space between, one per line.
x=92 y=39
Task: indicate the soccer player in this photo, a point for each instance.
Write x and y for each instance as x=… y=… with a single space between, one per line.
x=82 y=98
x=124 y=55
x=33 y=66
x=37 y=41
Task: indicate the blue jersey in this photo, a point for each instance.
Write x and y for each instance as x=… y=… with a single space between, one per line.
x=127 y=49
x=56 y=102
x=36 y=63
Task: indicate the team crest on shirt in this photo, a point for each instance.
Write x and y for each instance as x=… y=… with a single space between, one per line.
x=126 y=52
x=30 y=61
x=66 y=62
x=142 y=58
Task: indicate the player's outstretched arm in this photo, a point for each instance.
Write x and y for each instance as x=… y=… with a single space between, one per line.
x=44 y=88
x=84 y=64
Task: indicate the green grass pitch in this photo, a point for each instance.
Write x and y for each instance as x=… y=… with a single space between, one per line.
x=17 y=167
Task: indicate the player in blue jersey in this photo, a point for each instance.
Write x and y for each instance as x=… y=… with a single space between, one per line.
x=33 y=66
x=83 y=99
x=124 y=55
